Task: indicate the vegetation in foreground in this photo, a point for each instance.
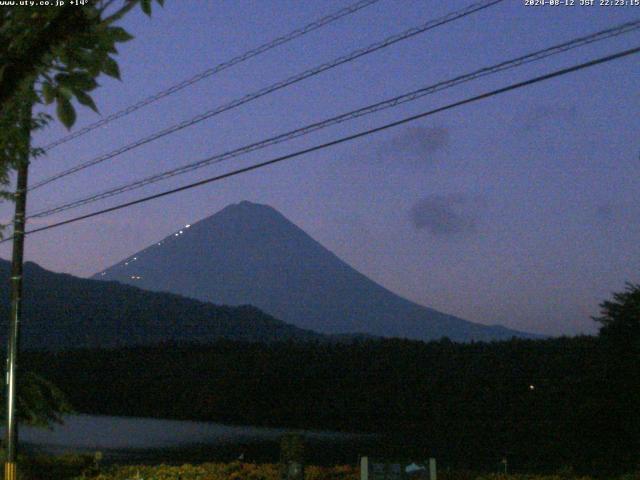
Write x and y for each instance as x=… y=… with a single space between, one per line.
x=86 y=467
x=238 y=471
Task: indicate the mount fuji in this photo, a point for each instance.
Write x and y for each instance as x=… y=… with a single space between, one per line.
x=249 y=253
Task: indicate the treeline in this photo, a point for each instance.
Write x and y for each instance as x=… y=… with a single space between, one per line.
x=542 y=404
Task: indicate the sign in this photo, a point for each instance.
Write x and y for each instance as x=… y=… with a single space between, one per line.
x=377 y=469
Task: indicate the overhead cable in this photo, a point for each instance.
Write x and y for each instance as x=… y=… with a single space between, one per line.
x=370 y=109
x=276 y=86
x=299 y=32
x=341 y=140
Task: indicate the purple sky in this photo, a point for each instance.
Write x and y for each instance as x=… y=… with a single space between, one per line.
x=520 y=210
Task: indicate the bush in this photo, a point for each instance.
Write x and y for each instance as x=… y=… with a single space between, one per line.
x=63 y=467
x=221 y=471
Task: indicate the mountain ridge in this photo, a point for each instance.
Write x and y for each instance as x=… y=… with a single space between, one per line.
x=250 y=253
x=61 y=311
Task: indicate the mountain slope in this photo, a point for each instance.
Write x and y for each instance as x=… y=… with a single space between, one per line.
x=62 y=311
x=251 y=254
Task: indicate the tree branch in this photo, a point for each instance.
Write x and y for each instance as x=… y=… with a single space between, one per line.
x=129 y=4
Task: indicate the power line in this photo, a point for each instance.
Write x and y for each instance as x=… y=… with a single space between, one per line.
x=277 y=86
x=348 y=138
x=389 y=103
x=332 y=17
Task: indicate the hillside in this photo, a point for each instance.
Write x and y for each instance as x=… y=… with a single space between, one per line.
x=62 y=311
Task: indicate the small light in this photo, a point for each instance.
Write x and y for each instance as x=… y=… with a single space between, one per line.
x=180 y=232
x=177 y=234
x=135 y=258
x=532 y=387
x=187 y=225
x=126 y=263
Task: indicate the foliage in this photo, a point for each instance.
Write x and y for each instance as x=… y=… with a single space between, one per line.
x=620 y=318
x=40 y=403
x=530 y=477
x=53 y=55
x=222 y=471
x=620 y=338
x=84 y=467
x=62 y=467
x=236 y=471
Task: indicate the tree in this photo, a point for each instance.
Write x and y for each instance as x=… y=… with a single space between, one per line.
x=620 y=337
x=53 y=55
x=620 y=318
x=40 y=402
x=48 y=55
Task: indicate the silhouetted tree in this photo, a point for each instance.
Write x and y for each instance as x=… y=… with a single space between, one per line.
x=620 y=318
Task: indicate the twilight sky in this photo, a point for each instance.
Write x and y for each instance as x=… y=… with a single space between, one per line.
x=521 y=210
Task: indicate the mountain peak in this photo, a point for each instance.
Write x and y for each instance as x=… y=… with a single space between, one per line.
x=246 y=206
x=245 y=211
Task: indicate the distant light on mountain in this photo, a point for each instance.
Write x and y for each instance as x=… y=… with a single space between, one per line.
x=251 y=254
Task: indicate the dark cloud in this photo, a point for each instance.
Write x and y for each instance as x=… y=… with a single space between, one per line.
x=546 y=115
x=417 y=143
x=447 y=215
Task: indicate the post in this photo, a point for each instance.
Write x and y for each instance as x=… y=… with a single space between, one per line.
x=10 y=470
x=364 y=468
x=432 y=469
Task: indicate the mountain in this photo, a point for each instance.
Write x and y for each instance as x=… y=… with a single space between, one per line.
x=61 y=311
x=251 y=254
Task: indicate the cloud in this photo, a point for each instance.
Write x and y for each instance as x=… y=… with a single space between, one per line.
x=417 y=143
x=447 y=215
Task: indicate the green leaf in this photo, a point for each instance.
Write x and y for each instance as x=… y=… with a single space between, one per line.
x=86 y=100
x=66 y=112
x=83 y=56
x=94 y=69
x=64 y=92
x=62 y=78
x=83 y=81
x=119 y=34
x=110 y=67
x=48 y=92
x=106 y=40
x=77 y=80
x=95 y=65
x=87 y=40
x=146 y=6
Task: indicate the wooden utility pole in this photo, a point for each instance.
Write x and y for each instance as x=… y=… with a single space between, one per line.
x=10 y=470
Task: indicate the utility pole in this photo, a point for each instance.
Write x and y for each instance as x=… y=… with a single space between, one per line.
x=10 y=470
